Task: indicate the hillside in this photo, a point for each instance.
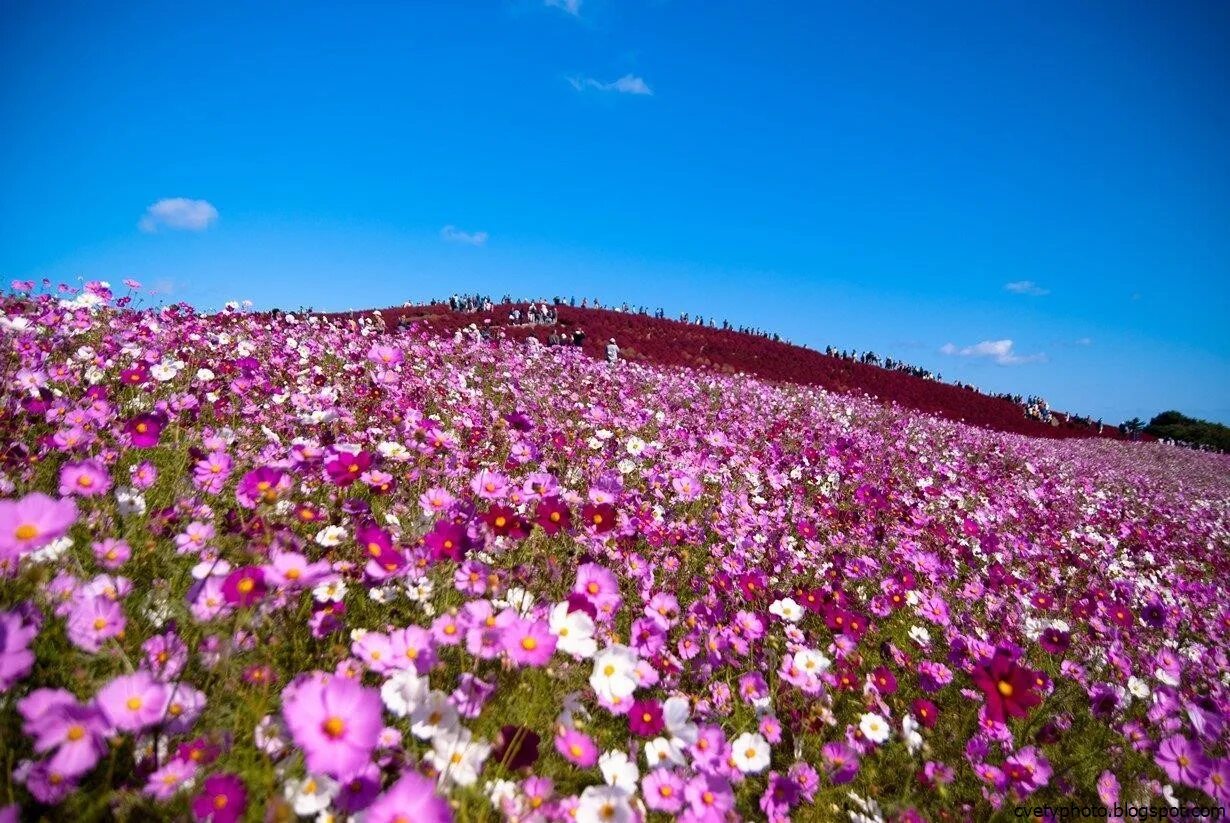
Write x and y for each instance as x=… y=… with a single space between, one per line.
x=674 y=343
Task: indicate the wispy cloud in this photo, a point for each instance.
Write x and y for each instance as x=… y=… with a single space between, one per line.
x=1083 y=341
x=1026 y=287
x=572 y=7
x=1002 y=352
x=628 y=84
x=470 y=238
x=178 y=213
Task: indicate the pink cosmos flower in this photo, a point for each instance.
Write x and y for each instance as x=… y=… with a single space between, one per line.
x=166 y=782
x=88 y=478
x=577 y=748
x=16 y=659
x=528 y=642
x=335 y=721
x=211 y=473
x=32 y=522
x=111 y=553
x=489 y=485
x=93 y=620
x=412 y=799
x=133 y=702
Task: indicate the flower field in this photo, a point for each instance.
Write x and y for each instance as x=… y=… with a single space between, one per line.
x=280 y=568
x=666 y=342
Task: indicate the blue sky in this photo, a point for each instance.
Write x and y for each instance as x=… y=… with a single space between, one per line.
x=921 y=179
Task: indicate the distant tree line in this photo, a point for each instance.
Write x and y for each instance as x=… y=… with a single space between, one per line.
x=1188 y=431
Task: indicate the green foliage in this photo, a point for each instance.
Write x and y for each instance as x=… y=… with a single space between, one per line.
x=1174 y=425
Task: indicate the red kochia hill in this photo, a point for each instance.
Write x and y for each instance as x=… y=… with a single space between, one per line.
x=674 y=343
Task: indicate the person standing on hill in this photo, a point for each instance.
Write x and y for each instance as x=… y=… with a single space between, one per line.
x=612 y=351
x=578 y=337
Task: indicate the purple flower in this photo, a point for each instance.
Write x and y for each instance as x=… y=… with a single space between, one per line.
x=841 y=762
x=244 y=586
x=334 y=720
x=16 y=659
x=1183 y=761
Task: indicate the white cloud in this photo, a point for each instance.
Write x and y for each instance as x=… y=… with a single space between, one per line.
x=1001 y=351
x=573 y=7
x=1026 y=287
x=178 y=213
x=628 y=84
x=456 y=235
x=1084 y=341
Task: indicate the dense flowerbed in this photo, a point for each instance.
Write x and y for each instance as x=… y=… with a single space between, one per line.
x=267 y=568
x=669 y=342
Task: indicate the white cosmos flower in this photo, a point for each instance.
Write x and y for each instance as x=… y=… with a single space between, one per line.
x=874 y=727
x=811 y=661
x=1138 y=687
x=663 y=752
x=433 y=716
x=604 y=804
x=676 y=715
x=403 y=692
x=618 y=770
x=311 y=795
x=458 y=757
x=330 y=536
x=330 y=591
x=574 y=631
x=750 y=753
x=787 y=609
x=614 y=675
x=909 y=731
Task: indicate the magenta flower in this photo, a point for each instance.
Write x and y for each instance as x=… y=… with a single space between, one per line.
x=412 y=799
x=223 y=799
x=144 y=430
x=32 y=522
x=528 y=642
x=345 y=468
x=261 y=485
x=335 y=720
x=111 y=553
x=88 y=478
x=166 y=782
x=1009 y=688
x=447 y=541
x=577 y=748
x=645 y=718
x=133 y=702
x=244 y=586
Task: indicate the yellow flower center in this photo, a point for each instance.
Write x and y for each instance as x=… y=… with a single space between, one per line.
x=26 y=531
x=529 y=644
x=75 y=733
x=133 y=703
x=1005 y=688
x=334 y=727
x=245 y=585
